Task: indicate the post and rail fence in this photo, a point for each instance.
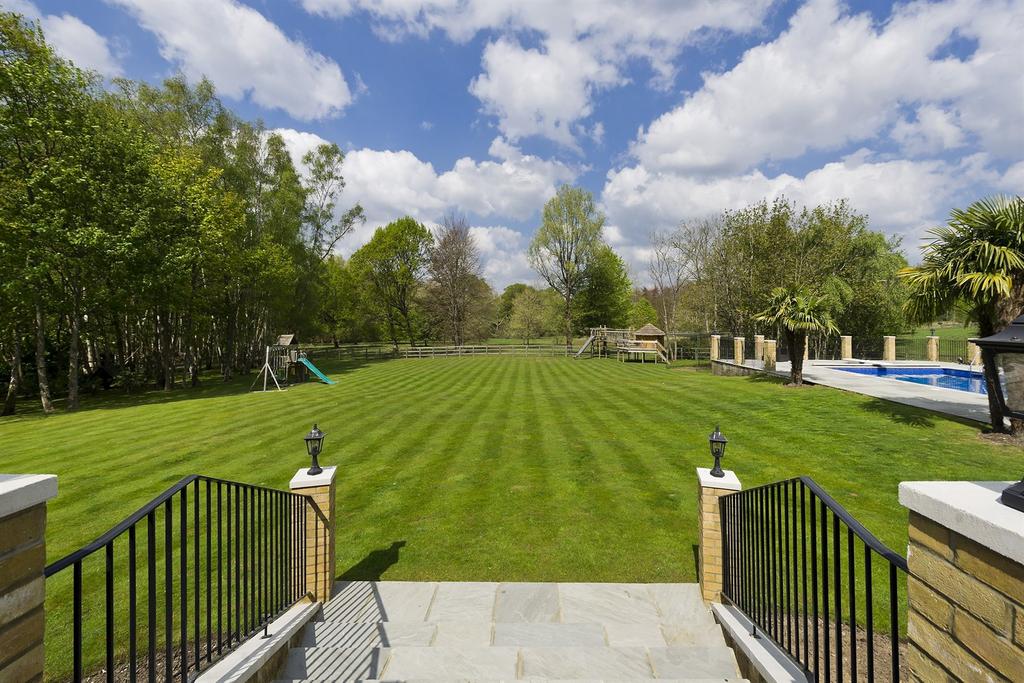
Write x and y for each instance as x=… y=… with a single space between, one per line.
x=196 y=571
x=804 y=572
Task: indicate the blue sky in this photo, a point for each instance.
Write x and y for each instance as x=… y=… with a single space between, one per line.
x=667 y=110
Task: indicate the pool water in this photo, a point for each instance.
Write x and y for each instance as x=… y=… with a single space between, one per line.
x=947 y=378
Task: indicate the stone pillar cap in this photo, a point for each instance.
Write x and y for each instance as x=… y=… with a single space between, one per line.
x=303 y=480
x=730 y=481
x=972 y=509
x=22 y=491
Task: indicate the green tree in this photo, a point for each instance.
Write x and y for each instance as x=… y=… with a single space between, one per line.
x=324 y=183
x=565 y=244
x=503 y=307
x=606 y=297
x=642 y=312
x=976 y=260
x=392 y=264
x=798 y=314
x=733 y=261
x=530 y=314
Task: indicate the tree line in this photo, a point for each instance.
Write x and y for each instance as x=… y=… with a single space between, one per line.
x=720 y=273
x=147 y=231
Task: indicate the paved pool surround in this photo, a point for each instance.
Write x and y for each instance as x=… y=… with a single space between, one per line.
x=953 y=402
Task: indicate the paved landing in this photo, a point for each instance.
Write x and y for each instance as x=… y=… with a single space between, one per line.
x=415 y=631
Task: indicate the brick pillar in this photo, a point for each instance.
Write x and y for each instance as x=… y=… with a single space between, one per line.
x=758 y=347
x=22 y=586
x=737 y=350
x=965 y=592
x=320 y=549
x=846 y=347
x=888 y=348
x=933 y=348
x=709 y=527
x=716 y=341
x=769 y=354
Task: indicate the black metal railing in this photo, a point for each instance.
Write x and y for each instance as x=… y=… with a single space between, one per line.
x=953 y=351
x=726 y=348
x=803 y=570
x=867 y=348
x=183 y=580
x=911 y=348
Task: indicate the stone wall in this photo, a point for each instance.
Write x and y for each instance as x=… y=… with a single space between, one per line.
x=966 y=615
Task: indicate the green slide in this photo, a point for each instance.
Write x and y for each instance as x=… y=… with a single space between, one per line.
x=316 y=371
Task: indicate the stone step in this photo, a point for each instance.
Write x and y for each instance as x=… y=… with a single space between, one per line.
x=547 y=680
x=508 y=662
x=701 y=631
x=371 y=602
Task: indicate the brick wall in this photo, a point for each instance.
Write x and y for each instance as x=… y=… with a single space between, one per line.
x=966 y=616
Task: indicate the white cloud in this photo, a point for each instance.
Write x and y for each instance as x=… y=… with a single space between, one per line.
x=934 y=130
x=245 y=54
x=1013 y=179
x=901 y=197
x=535 y=92
x=504 y=255
x=581 y=46
x=390 y=184
x=831 y=79
x=72 y=38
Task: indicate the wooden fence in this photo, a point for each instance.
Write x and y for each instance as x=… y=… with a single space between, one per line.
x=487 y=350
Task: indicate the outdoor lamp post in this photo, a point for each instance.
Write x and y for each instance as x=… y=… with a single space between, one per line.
x=314 y=444
x=717 y=442
x=1002 y=355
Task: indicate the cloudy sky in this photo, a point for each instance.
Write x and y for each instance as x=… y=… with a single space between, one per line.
x=664 y=109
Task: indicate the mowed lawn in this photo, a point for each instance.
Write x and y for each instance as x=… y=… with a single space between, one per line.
x=496 y=468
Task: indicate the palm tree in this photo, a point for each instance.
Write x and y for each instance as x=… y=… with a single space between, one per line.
x=977 y=261
x=798 y=314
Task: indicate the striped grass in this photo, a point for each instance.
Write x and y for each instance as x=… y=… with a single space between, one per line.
x=492 y=468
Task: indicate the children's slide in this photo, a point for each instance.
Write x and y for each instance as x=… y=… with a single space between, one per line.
x=585 y=346
x=316 y=371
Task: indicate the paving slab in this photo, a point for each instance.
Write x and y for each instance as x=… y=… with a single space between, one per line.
x=363 y=635
x=350 y=600
x=634 y=635
x=452 y=663
x=398 y=601
x=680 y=604
x=607 y=603
x=526 y=603
x=463 y=602
x=549 y=635
x=463 y=634
x=694 y=662
x=585 y=662
x=692 y=634
x=335 y=664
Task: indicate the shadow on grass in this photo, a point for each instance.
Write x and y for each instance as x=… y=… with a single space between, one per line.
x=906 y=415
x=211 y=386
x=373 y=566
x=768 y=378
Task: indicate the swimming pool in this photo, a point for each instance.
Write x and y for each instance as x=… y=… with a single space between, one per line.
x=947 y=378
